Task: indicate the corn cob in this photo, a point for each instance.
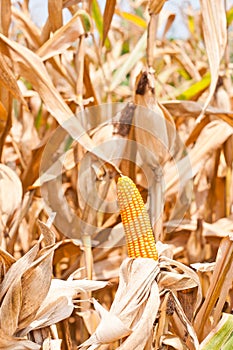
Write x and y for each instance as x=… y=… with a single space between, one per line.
x=139 y=236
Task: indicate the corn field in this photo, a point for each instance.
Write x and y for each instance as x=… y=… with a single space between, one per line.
x=116 y=175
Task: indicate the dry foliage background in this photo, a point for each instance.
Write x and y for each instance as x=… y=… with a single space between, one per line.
x=48 y=275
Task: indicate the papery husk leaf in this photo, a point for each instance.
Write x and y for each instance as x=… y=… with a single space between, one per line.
x=136 y=305
x=139 y=339
x=154 y=126
x=105 y=332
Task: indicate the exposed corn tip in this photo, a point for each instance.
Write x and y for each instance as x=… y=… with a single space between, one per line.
x=139 y=236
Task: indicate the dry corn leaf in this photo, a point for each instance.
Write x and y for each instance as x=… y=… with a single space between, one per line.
x=168 y=25
x=17 y=269
x=67 y=249
x=155 y=6
x=188 y=109
x=36 y=277
x=55 y=14
x=220 y=284
x=10 y=308
x=135 y=55
x=10 y=193
x=12 y=343
x=215 y=36
x=58 y=303
x=6 y=260
x=210 y=139
x=30 y=31
x=32 y=68
x=90 y=318
x=8 y=80
x=22 y=297
x=3 y=118
x=64 y=37
x=49 y=236
x=107 y=18
x=5 y=16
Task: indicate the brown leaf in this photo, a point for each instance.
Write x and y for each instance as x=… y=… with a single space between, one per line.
x=193 y=109
x=10 y=308
x=17 y=269
x=218 y=290
x=6 y=260
x=155 y=6
x=62 y=38
x=5 y=10
x=32 y=68
x=55 y=14
x=49 y=236
x=8 y=80
x=58 y=303
x=67 y=249
x=6 y=100
x=89 y=87
x=30 y=31
x=168 y=25
x=36 y=282
x=215 y=36
x=107 y=18
x=12 y=343
x=211 y=138
x=3 y=118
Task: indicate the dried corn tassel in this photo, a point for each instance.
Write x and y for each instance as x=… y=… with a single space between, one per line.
x=139 y=236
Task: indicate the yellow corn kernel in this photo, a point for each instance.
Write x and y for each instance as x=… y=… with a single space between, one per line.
x=139 y=236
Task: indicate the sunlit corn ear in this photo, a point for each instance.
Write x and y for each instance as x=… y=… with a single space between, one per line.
x=139 y=236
